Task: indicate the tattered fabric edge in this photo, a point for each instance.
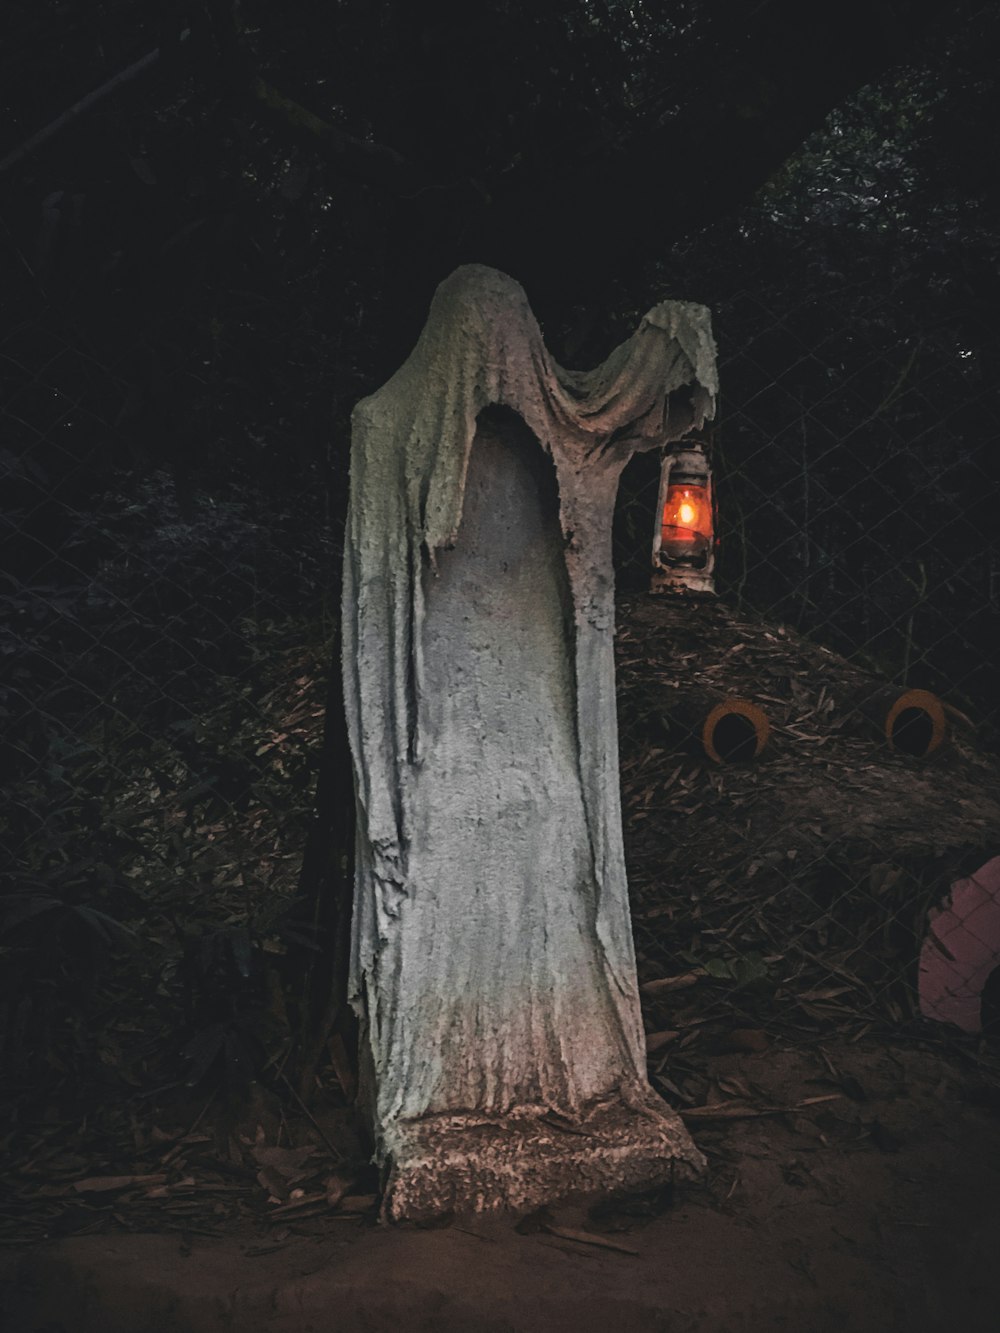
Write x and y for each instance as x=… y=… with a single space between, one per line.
x=481 y=346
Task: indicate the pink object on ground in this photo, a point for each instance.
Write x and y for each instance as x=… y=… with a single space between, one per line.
x=961 y=949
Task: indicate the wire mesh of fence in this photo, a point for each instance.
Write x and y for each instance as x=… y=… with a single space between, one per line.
x=166 y=648
x=803 y=883
x=163 y=698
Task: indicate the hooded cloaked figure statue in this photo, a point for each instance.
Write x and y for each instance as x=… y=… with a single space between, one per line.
x=493 y=969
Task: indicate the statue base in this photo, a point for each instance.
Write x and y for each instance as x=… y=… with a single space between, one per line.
x=468 y=1163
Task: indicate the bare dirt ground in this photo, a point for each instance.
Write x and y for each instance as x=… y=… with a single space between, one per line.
x=875 y=1205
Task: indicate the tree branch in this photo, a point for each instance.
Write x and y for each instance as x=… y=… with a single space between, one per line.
x=368 y=161
x=78 y=109
x=353 y=156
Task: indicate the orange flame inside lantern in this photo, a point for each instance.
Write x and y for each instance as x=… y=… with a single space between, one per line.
x=687 y=520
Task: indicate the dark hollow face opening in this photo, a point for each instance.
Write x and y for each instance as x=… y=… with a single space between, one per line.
x=912 y=732
x=734 y=738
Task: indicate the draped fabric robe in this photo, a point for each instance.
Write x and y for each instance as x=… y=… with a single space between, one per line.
x=492 y=959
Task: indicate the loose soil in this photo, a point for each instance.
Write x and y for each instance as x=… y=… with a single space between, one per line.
x=873 y=1206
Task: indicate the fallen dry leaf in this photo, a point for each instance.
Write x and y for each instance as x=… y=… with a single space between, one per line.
x=289 y=1161
x=296 y=1205
x=336 y=1188
x=737 y=1110
x=107 y=1184
x=663 y=984
x=358 y=1203
x=587 y=1238
x=274 y=1182
x=752 y=1040
x=655 y=1041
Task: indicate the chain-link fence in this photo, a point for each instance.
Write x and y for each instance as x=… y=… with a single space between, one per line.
x=825 y=867
x=165 y=656
x=167 y=645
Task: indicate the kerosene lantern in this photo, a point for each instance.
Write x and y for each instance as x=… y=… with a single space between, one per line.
x=684 y=539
